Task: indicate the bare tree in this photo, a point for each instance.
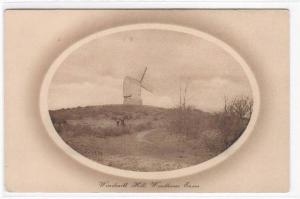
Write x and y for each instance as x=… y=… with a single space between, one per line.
x=183 y=93
x=240 y=107
x=233 y=120
x=184 y=120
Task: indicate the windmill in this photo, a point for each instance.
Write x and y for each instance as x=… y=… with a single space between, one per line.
x=132 y=89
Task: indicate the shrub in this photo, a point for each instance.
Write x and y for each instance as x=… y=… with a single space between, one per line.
x=67 y=130
x=115 y=131
x=214 y=141
x=233 y=120
x=189 y=121
x=142 y=126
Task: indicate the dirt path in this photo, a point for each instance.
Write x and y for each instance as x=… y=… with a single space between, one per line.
x=140 y=136
x=148 y=150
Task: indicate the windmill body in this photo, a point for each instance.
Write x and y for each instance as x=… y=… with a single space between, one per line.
x=132 y=90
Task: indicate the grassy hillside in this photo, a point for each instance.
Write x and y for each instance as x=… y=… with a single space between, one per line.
x=112 y=112
x=150 y=138
x=102 y=120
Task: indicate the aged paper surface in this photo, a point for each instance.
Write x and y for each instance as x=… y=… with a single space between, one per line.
x=35 y=38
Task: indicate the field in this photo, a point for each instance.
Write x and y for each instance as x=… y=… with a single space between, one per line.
x=145 y=138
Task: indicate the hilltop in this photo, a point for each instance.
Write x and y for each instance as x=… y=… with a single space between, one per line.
x=114 y=110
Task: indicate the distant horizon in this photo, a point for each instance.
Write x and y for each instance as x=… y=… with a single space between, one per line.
x=109 y=105
x=73 y=107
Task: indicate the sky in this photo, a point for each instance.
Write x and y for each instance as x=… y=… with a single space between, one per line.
x=93 y=74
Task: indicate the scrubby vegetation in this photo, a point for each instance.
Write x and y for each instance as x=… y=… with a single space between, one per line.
x=218 y=130
x=109 y=120
x=115 y=135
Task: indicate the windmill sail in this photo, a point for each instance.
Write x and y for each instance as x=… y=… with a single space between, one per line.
x=143 y=75
x=147 y=87
x=132 y=89
x=143 y=84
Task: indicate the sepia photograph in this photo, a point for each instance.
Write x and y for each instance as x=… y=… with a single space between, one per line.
x=150 y=100
x=147 y=102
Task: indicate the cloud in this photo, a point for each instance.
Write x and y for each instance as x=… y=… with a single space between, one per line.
x=208 y=95
x=108 y=91
x=93 y=74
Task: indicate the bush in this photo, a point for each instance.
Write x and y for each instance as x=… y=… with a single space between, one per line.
x=189 y=121
x=115 y=131
x=231 y=127
x=214 y=141
x=67 y=130
x=142 y=126
x=218 y=130
x=234 y=119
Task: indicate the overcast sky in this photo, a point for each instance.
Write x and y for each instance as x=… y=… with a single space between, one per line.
x=93 y=74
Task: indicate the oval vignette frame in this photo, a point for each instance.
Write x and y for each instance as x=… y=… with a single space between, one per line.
x=43 y=103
